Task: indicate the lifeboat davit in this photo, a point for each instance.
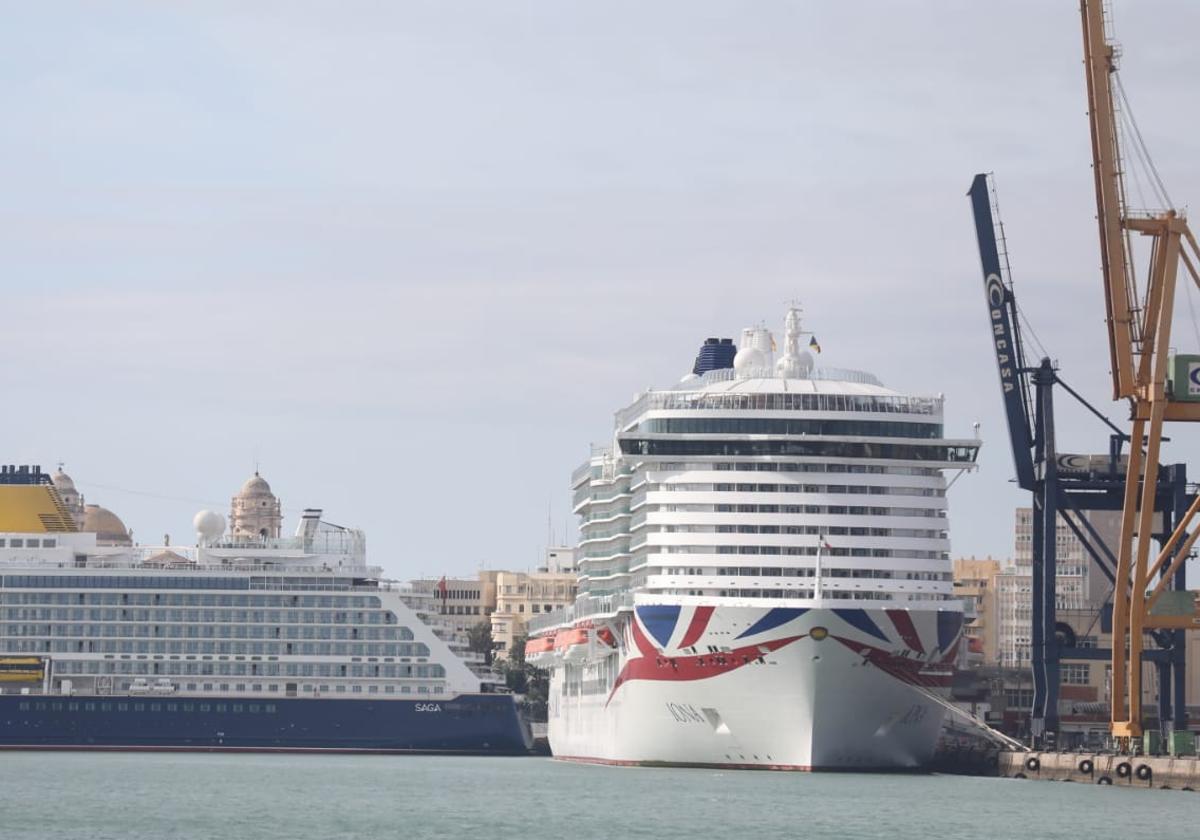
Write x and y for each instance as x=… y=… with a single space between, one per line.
x=604 y=642
x=539 y=651
x=572 y=644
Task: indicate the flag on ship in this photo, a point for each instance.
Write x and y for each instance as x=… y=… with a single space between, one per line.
x=812 y=342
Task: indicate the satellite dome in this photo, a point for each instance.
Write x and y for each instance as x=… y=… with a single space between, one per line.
x=747 y=359
x=689 y=379
x=797 y=366
x=209 y=525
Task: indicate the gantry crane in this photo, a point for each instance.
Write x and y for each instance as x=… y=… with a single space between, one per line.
x=1139 y=333
x=1058 y=482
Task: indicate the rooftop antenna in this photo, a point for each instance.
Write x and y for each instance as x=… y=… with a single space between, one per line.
x=792 y=364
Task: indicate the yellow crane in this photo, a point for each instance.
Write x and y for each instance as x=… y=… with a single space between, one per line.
x=1139 y=333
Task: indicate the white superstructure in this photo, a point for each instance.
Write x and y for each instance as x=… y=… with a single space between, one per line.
x=764 y=573
x=238 y=614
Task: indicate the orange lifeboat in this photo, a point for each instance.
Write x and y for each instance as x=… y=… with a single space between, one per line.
x=572 y=643
x=539 y=651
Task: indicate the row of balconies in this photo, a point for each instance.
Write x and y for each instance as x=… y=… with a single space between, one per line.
x=827 y=582
x=860 y=564
x=816 y=518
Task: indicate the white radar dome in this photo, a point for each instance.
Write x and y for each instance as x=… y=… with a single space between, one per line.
x=689 y=379
x=209 y=525
x=748 y=358
x=795 y=367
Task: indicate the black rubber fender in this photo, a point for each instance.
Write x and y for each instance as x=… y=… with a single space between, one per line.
x=1086 y=767
x=1144 y=772
x=1124 y=770
x=1019 y=776
x=1104 y=780
x=1033 y=763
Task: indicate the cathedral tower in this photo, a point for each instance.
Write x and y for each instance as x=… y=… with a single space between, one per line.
x=255 y=513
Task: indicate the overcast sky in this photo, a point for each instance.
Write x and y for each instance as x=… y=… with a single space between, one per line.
x=409 y=257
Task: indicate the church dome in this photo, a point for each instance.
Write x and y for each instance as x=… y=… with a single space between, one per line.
x=62 y=481
x=255 y=512
x=256 y=485
x=106 y=525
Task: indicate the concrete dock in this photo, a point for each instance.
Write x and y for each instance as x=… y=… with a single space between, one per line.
x=1178 y=773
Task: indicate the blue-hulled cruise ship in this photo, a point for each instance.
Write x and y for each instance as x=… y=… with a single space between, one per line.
x=245 y=641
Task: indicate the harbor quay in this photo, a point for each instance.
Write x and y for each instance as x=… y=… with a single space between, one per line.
x=1144 y=771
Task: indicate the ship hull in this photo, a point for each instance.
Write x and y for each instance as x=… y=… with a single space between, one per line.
x=477 y=724
x=783 y=688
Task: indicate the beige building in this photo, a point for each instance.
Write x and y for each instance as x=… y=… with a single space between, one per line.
x=504 y=599
x=106 y=525
x=255 y=513
x=520 y=595
x=975 y=584
x=464 y=601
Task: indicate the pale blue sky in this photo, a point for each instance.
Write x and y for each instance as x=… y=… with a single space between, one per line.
x=410 y=256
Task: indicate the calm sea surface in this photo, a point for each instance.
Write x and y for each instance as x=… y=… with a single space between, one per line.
x=127 y=796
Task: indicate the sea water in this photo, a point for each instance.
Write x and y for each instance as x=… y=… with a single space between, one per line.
x=156 y=796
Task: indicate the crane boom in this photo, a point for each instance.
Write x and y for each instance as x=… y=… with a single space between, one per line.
x=1006 y=336
x=1099 y=59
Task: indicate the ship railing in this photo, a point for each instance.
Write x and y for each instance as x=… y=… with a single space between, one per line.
x=585 y=606
x=828 y=374
x=322 y=542
x=603 y=515
x=584 y=469
x=686 y=397
x=207 y=568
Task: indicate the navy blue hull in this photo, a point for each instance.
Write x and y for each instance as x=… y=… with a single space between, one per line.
x=470 y=723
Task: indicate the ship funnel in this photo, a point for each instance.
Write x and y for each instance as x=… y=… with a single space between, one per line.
x=310 y=519
x=715 y=354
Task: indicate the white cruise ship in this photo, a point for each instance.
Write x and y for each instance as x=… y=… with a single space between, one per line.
x=248 y=640
x=764 y=572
